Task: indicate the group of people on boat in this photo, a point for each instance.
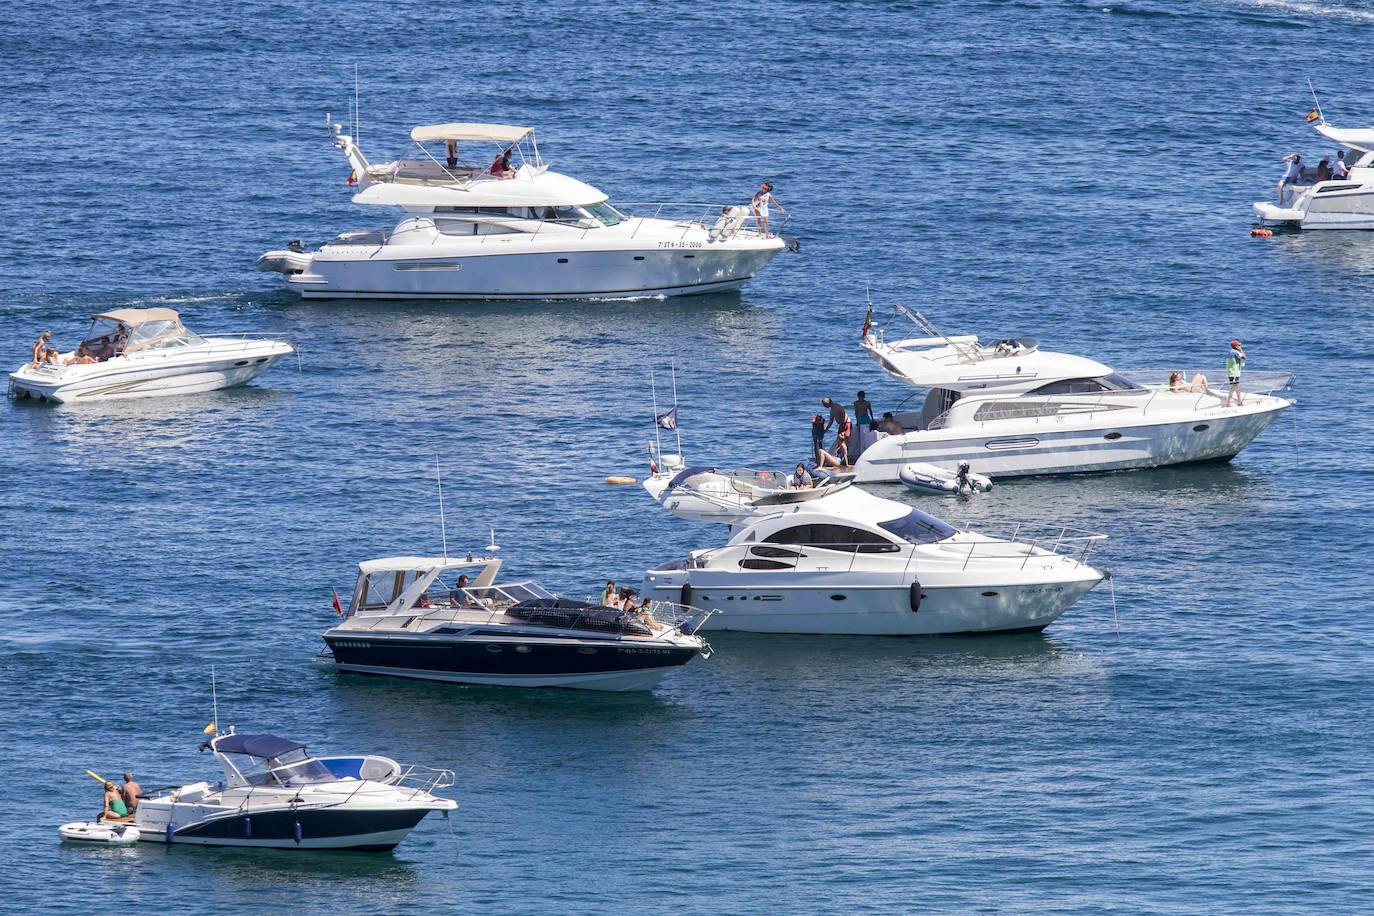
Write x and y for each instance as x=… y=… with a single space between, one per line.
x=625 y=599
x=1235 y=364
x=1297 y=174
x=852 y=436
x=121 y=802
x=45 y=354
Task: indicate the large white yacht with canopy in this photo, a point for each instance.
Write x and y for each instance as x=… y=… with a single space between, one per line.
x=1009 y=408
x=477 y=229
x=1336 y=203
x=140 y=353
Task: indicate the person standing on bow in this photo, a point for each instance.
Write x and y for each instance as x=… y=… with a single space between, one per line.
x=762 y=198
x=1235 y=362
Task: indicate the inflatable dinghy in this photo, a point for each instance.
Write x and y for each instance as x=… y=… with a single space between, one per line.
x=931 y=478
x=92 y=832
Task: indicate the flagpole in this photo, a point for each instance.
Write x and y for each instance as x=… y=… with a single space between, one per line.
x=677 y=426
x=443 y=531
x=214 y=700
x=653 y=393
x=1315 y=100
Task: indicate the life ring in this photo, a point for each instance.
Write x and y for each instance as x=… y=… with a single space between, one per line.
x=621 y=480
x=1262 y=233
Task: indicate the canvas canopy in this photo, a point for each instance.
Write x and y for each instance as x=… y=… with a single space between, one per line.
x=257 y=745
x=135 y=317
x=499 y=133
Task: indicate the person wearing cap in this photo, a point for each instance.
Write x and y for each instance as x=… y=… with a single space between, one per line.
x=1235 y=362
x=1338 y=168
x=762 y=198
x=1290 y=174
x=40 y=349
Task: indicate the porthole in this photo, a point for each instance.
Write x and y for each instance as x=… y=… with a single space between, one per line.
x=1112 y=437
x=242 y=362
x=522 y=648
x=562 y=260
x=263 y=360
x=989 y=594
x=639 y=257
x=587 y=650
x=837 y=597
x=689 y=256
x=1201 y=428
x=493 y=648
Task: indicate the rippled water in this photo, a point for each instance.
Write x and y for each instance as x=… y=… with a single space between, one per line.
x=1077 y=172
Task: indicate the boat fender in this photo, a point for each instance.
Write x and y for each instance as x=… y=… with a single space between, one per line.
x=686 y=594
x=1262 y=233
x=170 y=831
x=247 y=828
x=620 y=480
x=915 y=596
x=298 y=833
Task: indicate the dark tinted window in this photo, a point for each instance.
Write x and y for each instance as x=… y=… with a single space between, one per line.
x=918 y=528
x=1071 y=386
x=833 y=537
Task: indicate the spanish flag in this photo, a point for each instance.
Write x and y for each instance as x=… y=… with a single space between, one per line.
x=209 y=729
x=338 y=608
x=353 y=178
x=1314 y=116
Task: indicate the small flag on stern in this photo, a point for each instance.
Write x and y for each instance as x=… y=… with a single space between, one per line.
x=1314 y=116
x=338 y=608
x=209 y=729
x=668 y=420
x=352 y=178
x=868 y=323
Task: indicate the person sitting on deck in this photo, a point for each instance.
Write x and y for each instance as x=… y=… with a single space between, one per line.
x=1176 y=383
x=82 y=357
x=500 y=168
x=1324 y=170
x=839 y=460
x=114 y=809
x=889 y=424
x=608 y=593
x=800 y=480
x=40 y=348
x=1339 y=171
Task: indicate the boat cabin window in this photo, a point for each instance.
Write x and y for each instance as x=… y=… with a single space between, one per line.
x=938 y=400
x=605 y=214
x=382 y=588
x=1113 y=382
x=833 y=537
x=298 y=768
x=919 y=528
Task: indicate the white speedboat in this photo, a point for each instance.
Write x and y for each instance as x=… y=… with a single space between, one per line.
x=527 y=233
x=274 y=794
x=850 y=562
x=1009 y=408
x=140 y=353
x=1345 y=203
x=413 y=617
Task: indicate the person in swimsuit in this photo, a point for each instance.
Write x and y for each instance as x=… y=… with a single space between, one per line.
x=130 y=792
x=608 y=593
x=451 y=149
x=501 y=167
x=114 y=809
x=40 y=348
x=762 y=198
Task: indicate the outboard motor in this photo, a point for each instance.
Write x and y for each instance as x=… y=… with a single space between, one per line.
x=296 y=245
x=962 y=485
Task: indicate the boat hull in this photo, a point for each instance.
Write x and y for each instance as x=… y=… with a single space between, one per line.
x=625 y=273
x=750 y=603
x=587 y=665
x=142 y=378
x=334 y=828
x=1216 y=434
x=1324 y=207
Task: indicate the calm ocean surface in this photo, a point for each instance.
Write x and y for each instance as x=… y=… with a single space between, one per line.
x=1077 y=172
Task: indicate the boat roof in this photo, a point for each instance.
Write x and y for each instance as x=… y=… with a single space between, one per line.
x=848 y=503
x=257 y=745
x=133 y=317
x=500 y=133
x=418 y=564
x=526 y=189
x=960 y=363
x=1359 y=138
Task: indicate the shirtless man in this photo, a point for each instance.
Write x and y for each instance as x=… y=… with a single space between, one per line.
x=40 y=348
x=130 y=792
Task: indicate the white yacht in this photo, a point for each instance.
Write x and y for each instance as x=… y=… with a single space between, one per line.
x=476 y=230
x=275 y=794
x=1009 y=408
x=849 y=562
x=448 y=619
x=1345 y=203
x=140 y=353
x=703 y=494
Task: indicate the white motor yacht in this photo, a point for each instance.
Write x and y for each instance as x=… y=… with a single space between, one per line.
x=140 y=353
x=447 y=619
x=525 y=233
x=703 y=494
x=275 y=794
x=849 y=562
x=1345 y=203
x=1009 y=408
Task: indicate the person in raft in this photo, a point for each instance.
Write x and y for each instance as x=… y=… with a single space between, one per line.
x=114 y=809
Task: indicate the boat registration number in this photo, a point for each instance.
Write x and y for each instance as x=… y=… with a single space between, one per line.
x=679 y=244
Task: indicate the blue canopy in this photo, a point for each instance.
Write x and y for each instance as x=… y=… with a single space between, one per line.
x=683 y=475
x=256 y=745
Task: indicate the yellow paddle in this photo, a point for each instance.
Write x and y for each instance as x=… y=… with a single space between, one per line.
x=100 y=779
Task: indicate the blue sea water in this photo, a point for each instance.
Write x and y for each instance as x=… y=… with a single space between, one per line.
x=1078 y=172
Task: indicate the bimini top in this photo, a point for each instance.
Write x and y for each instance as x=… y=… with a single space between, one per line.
x=961 y=363
x=418 y=564
x=847 y=504
x=257 y=745
x=499 y=133
x=135 y=317
x=1360 y=138
x=529 y=188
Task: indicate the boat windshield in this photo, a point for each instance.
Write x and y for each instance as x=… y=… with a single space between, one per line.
x=293 y=768
x=605 y=214
x=918 y=528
